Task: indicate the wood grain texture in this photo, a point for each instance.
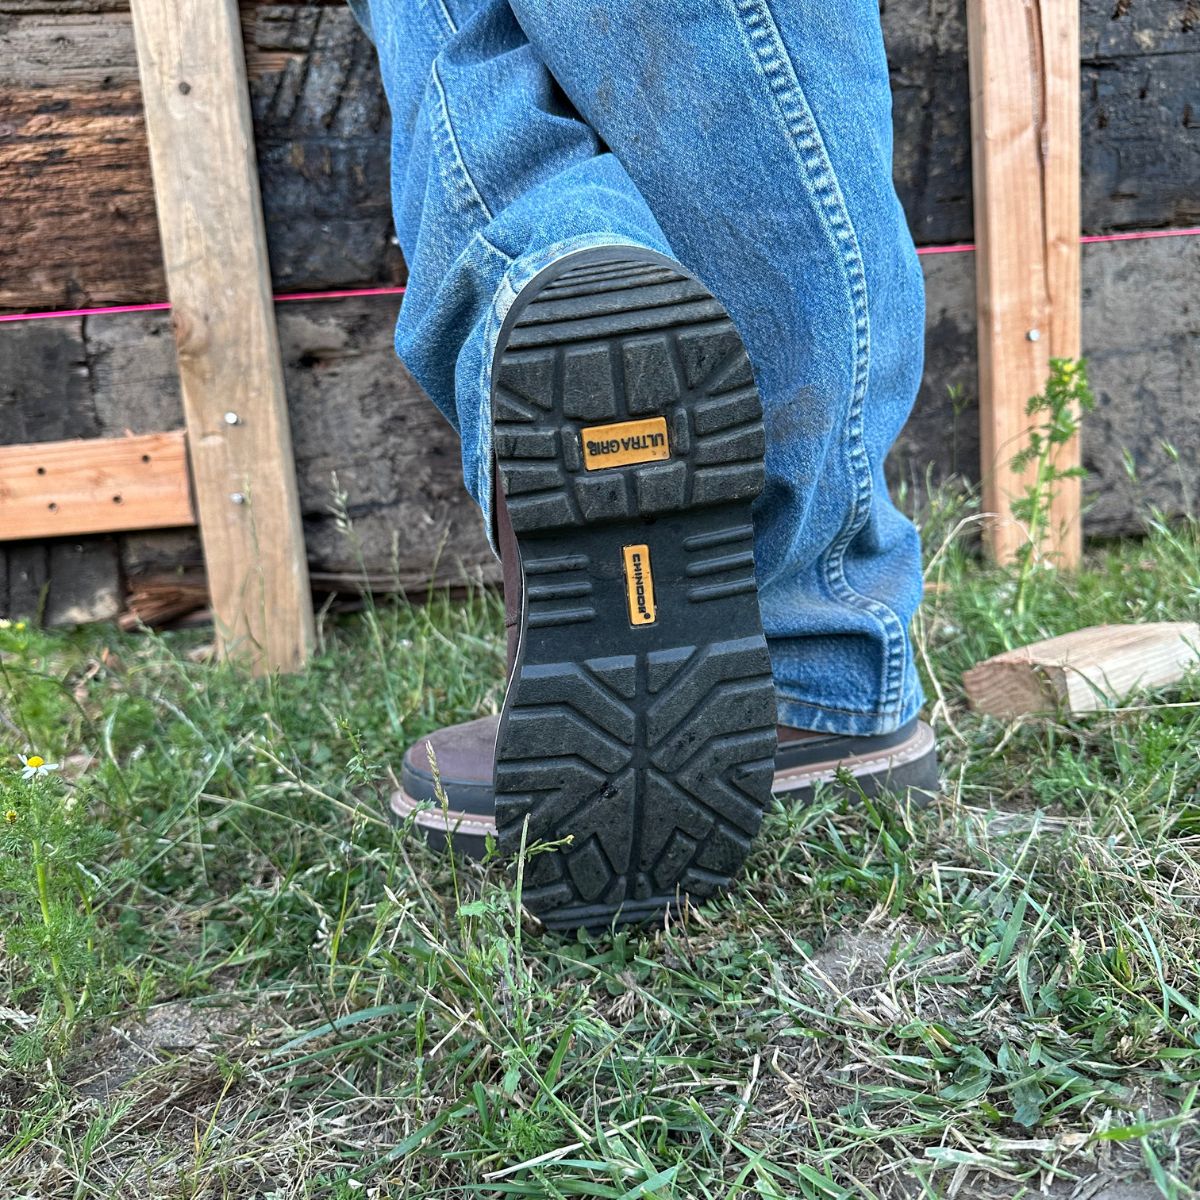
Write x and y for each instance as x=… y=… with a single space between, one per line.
x=77 y=215
x=322 y=132
x=1059 y=161
x=94 y=485
x=1085 y=671
x=76 y=199
x=194 y=89
x=1024 y=115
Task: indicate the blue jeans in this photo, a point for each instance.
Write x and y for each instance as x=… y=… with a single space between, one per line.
x=751 y=140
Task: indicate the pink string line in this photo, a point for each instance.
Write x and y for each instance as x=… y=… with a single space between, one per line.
x=1090 y=240
x=163 y=305
x=351 y=293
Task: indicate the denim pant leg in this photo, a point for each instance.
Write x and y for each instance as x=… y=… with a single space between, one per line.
x=759 y=132
x=759 y=136
x=494 y=175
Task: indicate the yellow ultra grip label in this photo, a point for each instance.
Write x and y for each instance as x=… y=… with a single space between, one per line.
x=639 y=585
x=624 y=443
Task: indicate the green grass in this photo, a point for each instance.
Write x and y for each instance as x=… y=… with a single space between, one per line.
x=276 y=994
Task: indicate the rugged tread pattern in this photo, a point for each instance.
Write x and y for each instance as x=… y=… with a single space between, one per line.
x=656 y=763
x=661 y=768
x=580 y=355
x=720 y=563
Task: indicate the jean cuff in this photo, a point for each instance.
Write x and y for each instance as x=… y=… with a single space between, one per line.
x=821 y=718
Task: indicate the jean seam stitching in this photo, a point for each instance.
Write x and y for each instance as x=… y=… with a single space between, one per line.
x=447 y=20
x=812 y=156
x=905 y=696
x=491 y=332
x=454 y=172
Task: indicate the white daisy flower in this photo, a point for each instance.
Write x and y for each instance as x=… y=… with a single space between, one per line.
x=35 y=764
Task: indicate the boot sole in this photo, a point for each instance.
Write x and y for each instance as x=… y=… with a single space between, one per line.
x=909 y=769
x=640 y=716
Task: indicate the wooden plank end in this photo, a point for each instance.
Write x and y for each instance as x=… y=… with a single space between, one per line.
x=1084 y=671
x=95 y=485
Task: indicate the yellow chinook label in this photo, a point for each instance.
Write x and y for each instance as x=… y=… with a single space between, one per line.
x=639 y=585
x=624 y=443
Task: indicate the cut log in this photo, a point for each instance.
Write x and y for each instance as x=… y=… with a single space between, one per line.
x=159 y=602
x=1085 y=671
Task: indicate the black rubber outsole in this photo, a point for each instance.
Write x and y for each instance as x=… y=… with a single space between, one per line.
x=640 y=716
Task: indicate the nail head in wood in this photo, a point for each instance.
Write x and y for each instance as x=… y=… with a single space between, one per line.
x=214 y=253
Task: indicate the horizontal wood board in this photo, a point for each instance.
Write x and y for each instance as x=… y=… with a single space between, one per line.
x=94 y=485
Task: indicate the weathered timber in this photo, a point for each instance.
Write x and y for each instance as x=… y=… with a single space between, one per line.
x=324 y=141
x=355 y=412
x=45 y=395
x=72 y=143
x=64 y=582
x=84 y=581
x=77 y=214
x=1141 y=339
x=44 y=383
x=1084 y=671
x=1140 y=111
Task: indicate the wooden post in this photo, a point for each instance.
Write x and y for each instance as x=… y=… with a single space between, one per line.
x=1024 y=66
x=193 y=73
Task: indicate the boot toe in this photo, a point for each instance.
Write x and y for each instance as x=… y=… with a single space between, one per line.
x=464 y=756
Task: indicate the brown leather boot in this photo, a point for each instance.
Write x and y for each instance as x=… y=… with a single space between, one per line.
x=464 y=754
x=903 y=763
x=638 y=730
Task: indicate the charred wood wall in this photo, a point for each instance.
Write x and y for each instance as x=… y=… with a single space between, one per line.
x=77 y=229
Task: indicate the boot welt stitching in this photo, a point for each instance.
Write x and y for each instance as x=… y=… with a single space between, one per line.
x=440 y=819
x=898 y=756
